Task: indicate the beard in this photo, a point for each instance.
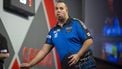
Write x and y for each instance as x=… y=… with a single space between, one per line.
x=61 y=19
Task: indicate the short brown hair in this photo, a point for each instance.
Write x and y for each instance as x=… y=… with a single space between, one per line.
x=60 y=1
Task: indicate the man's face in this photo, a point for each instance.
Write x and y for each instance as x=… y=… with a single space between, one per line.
x=61 y=11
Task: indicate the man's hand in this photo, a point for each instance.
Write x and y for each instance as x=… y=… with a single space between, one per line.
x=73 y=59
x=25 y=66
x=7 y=55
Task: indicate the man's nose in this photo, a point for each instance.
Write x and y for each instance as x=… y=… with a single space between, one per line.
x=58 y=10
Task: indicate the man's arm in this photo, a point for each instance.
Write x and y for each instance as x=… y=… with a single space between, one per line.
x=4 y=55
x=4 y=52
x=42 y=53
x=85 y=47
x=75 y=57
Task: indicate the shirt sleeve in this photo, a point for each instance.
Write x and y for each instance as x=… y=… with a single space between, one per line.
x=49 y=38
x=83 y=31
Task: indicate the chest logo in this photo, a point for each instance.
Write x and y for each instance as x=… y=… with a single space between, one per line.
x=56 y=33
x=68 y=29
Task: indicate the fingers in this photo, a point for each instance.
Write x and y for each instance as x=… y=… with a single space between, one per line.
x=70 y=57
x=24 y=66
x=73 y=60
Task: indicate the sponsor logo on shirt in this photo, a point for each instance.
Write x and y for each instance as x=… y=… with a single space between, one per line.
x=68 y=29
x=49 y=36
x=56 y=33
x=88 y=34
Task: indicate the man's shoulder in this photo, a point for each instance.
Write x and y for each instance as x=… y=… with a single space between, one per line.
x=77 y=20
x=53 y=28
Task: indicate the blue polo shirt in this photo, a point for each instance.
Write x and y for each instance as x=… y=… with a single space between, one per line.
x=68 y=38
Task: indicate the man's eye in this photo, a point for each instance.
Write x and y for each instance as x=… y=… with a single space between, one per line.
x=61 y=8
x=56 y=8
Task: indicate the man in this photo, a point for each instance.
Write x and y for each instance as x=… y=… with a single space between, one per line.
x=71 y=39
x=113 y=22
x=3 y=50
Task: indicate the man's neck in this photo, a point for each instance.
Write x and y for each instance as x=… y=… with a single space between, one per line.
x=61 y=23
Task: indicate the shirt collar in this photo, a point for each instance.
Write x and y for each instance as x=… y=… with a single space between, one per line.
x=65 y=24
